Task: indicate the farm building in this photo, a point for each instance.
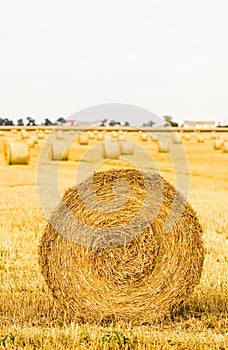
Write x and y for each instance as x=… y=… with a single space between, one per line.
x=199 y=124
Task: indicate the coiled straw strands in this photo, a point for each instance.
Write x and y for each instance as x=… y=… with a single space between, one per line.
x=59 y=150
x=127 y=148
x=105 y=254
x=16 y=153
x=111 y=149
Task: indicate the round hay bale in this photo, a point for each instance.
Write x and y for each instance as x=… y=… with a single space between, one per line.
x=40 y=136
x=176 y=139
x=213 y=135
x=115 y=135
x=16 y=153
x=164 y=145
x=111 y=149
x=104 y=264
x=200 y=138
x=187 y=137
x=218 y=144
x=83 y=139
x=24 y=134
x=59 y=135
x=100 y=136
x=2 y=133
x=47 y=131
x=30 y=142
x=224 y=147
x=143 y=137
x=127 y=147
x=91 y=135
x=59 y=150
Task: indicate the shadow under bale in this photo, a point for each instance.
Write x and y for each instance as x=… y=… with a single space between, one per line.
x=123 y=244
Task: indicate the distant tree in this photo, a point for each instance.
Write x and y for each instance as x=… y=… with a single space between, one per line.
x=126 y=124
x=103 y=122
x=31 y=121
x=1 y=121
x=20 y=122
x=6 y=121
x=150 y=123
x=61 y=120
x=47 y=122
x=113 y=123
x=169 y=121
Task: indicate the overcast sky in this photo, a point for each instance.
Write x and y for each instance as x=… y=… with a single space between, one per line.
x=168 y=56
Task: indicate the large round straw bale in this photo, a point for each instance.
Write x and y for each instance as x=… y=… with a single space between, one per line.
x=83 y=139
x=224 y=147
x=218 y=144
x=106 y=256
x=164 y=145
x=16 y=153
x=200 y=138
x=59 y=150
x=2 y=133
x=91 y=135
x=111 y=149
x=127 y=147
x=24 y=134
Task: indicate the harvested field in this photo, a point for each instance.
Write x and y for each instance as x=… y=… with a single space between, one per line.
x=29 y=316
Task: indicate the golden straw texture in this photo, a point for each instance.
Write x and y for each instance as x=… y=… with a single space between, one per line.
x=123 y=244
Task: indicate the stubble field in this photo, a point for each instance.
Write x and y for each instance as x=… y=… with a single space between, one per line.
x=30 y=319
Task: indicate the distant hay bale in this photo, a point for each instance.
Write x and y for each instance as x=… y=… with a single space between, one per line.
x=115 y=135
x=2 y=133
x=40 y=136
x=187 y=137
x=59 y=135
x=91 y=135
x=83 y=139
x=176 y=139
x=213 y=135
x=218 y=144
x=164 y=145
x=30 y=142
x=16 y=153
x=111 y=149
x=224 y=147
x=127 y=147
x=108 y=258
x=24 y=134
x=59 y=150
x=200 y=138
x=143 y=137
x=13 y=131
x=100 y=136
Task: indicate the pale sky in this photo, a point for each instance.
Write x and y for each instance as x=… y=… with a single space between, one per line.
x=168 y=56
